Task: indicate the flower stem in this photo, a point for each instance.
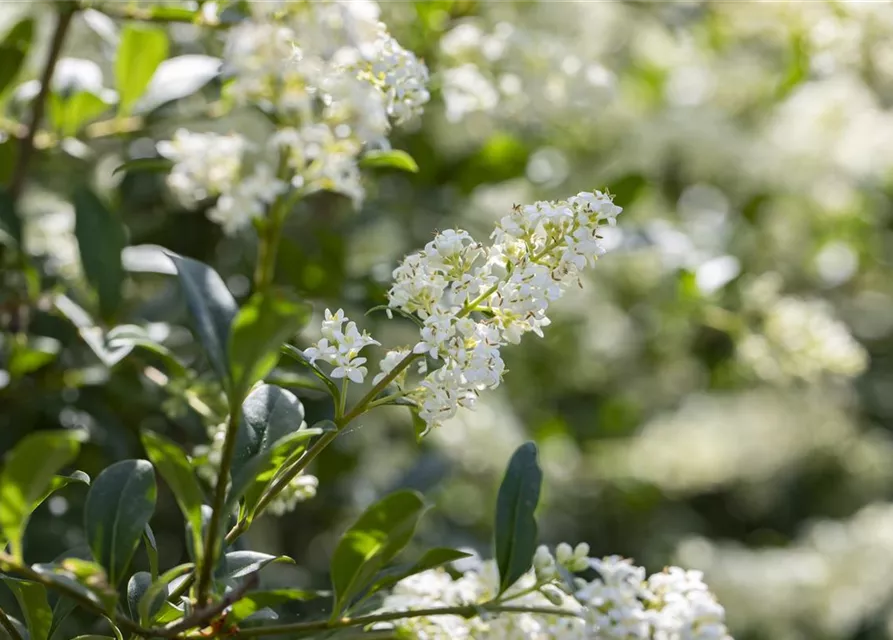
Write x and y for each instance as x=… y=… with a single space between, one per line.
x=212 y=542
x=465 y=611
x=26 y=148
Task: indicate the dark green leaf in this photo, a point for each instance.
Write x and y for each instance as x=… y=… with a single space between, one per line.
x=383 y=530
x=13 y=50
x=391 y=159
x=126 y=337
x=268 y=414
x=59 y=482
x=419 y=426
x=261 y=326
x=32 y=599
x=157 y=593
x=9 y=153
x=30 y=353
x=94 y=637
x=212 y=307
x=148 y=165
x=141 y=50
x=515 y=540
x=101 y=237
x=118 y=508
x=431 y=559
x=238 y=564
x=295 y=354
x=28 y=477
x=174 y=467
x=254 y=601
x=260 y=471
x=151 y=551
x=137 y=586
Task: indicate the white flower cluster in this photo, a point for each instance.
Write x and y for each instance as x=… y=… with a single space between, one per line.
x=210 y=165
x=207 y=458
x=619 y=604
x=797 y=339
x=537 y=251
x=335 y=78
x=341 y=347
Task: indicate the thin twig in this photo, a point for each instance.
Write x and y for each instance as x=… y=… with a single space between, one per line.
x=26 y=148
x=465 y=611
x=7 y=624
x=206 y=614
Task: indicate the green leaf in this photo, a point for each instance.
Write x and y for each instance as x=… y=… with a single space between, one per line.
x=13 y=50
x=69 y=113
x=124 y=338
x=238 y=564
x=391 y=159
x=268 y=414
x=383 y=530
x=212 y=308
x=147 y=165
x=93 y=637
x=82 y=576
x=157 y=593
x=165 y=13
x=59 y=482
x=174 y=467
x=101 y=237
x=261 y=326
x=254 y=601
x=141 y=50
x=137 y=586
x=32 y=599
x=261 y=470
x=28 y=478
x=118 y=508
x=432 y=559
x=151 y=551
x=30 y=353
x=419 y=426
x=295 y=354
x=516 y=531
x=177 y=78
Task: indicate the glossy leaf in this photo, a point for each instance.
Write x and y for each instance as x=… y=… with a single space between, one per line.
x=13 y=50
x=151 y=547
x=59 y=482
x=516 y=531
x=137 y=586
x=32 y=599
x=383 y=530
x=175 y=468
x=265 y=322
x=153 y=598
x=118 y=508
x=389 y=159
x=259 y=472
x=28 y=476
x=212 y=308
x=101 y=237
x=142 y=48
x=268 y=414
x=145 y=165
x=238 y=564
x=177 y=78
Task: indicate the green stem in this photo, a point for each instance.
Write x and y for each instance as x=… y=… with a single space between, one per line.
x=7 y=624
x=209 y=556
x=26 y=148
x=342 y=399
x=465 y=611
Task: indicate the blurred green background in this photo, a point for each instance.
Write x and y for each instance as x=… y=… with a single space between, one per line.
x=718 y=395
